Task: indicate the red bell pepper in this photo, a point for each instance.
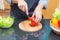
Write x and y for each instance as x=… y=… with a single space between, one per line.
x=33 y=22
x=59 y=23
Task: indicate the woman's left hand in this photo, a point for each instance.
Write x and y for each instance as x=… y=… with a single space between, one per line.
x=37 y=13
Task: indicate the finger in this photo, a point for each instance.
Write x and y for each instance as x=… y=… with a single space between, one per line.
x=40 y=17
x=20 y=7
x=36 y=19
x=23 y=8
x=34 y=14
x=26 y=9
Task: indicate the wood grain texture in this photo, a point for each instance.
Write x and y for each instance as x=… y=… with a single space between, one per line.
x=4 y=13
x=7 y=6
x=24 y=25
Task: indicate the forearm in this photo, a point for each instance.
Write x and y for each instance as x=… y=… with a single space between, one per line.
x=39 y=8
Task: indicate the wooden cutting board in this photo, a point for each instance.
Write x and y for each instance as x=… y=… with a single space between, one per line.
x=24 y=26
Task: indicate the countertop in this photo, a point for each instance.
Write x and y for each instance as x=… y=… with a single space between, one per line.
x=14 y=33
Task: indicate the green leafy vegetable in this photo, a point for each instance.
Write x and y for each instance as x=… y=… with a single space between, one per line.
x=6 y=22
x=56 y=14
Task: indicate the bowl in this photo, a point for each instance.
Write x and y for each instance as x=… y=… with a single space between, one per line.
x=55 y=29
x=6 y=22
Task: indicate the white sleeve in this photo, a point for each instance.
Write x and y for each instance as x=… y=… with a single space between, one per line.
x=45 y=2
x=9 y=1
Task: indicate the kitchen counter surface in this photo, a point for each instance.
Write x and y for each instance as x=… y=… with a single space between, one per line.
x=14 y=33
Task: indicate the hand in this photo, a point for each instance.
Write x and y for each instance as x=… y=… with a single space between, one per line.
x=23 y=6
x=37 y=14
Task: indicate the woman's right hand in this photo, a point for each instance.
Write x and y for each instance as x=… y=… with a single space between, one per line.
x=23 y=6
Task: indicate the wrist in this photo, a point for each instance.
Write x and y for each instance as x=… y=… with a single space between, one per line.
x=40 y=6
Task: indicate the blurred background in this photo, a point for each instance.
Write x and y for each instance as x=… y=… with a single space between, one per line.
x=52 y=5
